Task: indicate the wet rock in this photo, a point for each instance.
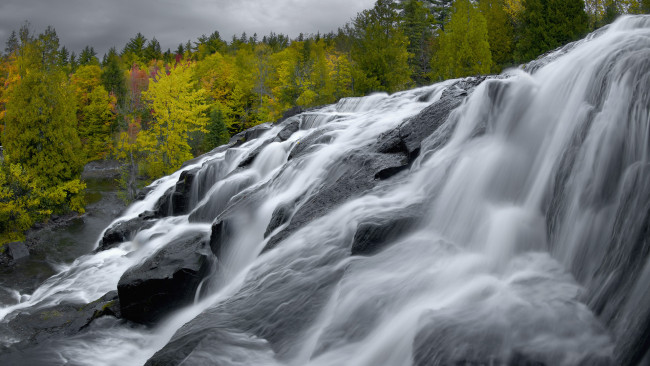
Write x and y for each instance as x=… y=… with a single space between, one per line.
x=249 y=134
x=62 y=319
x=253 y=154
x=288 y=130
x=310 y=142
x=289 y=113
x=166 y=281
x=375 y=235
x=221 y=232
x=214 y=346
x=143 y=193
x=16 y=251
x=180 y=198
x=123 y=231
x=280 y=216
x=163 y=206
x=355 y=175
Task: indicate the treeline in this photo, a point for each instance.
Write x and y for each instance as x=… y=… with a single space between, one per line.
x=154 y=109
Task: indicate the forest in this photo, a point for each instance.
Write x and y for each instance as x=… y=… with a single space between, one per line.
x=152 y=109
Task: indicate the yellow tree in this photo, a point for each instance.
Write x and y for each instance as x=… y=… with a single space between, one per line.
x=178 y=108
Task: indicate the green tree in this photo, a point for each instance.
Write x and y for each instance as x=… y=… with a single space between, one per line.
x=500 y=32
x=417 y=24
x=548 y=24
x=88 y=56
x=217 y=134
x=379 y=51
x=113 y=77
x=464 y=47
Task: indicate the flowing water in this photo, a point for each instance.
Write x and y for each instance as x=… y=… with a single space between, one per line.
x=530 y=247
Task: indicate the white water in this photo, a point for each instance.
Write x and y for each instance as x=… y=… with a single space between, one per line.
x=483 y=278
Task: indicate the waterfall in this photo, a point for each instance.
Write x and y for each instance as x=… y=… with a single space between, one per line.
x=480 y=221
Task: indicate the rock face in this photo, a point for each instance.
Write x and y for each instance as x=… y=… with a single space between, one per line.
x=166 y=281
x=123 y=231
x=62 y=319
x=374 y=235
x=182 y=192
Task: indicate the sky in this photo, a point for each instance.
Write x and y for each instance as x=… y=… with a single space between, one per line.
x=106 y=23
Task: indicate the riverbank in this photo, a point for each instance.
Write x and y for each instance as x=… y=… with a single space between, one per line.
x=64 y=238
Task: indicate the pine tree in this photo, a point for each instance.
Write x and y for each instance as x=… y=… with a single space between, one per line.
x=379 y=51
x=464 y=46
x=500 y=32
x=113 y=78
x=417 y=24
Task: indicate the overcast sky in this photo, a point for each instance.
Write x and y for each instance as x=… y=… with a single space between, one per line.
x=106 y=23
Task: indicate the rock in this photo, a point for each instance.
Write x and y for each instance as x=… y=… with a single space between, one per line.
x=249 y=134
x=123 y=231
x=180 y=199
x=375 y=235
x=289 y=113
x=253 y=154
x=355 y=176
x=17 y=250
x=288 y=130
x=163 y=207
x=221 y=232
x=214 y=346
x=143 y=193
x=280 y=216
x=166 y=281
x=62 y=319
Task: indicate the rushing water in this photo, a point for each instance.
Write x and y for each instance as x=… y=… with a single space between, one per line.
x=530 y=246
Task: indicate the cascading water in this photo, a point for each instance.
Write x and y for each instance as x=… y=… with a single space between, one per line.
x=474 y=222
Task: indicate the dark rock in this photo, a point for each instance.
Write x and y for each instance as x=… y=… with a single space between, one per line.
x=280 y=216
x=374 y=236
x=17 y=250
x=163 y=207
x=289 y=113
x=214 y=346
x=356 y=175
x=310 y=142
x=221 y=232
x=166 y=281
x=123 y=231
x=180 y=199
x=416 y=129
x=248 y=135
x=143 y=193
x=62 y=319
x=288 y=130
x=253 y=154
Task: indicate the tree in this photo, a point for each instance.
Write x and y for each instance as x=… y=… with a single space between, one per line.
x=217 y=134
x=153 y=51
x=547 y=24
x=12 y=43
x=417 y=24
x=113 y=78
x=464 y=46
x=500 y=32
x=178 y=108
x=379 y=50
x=88 y=56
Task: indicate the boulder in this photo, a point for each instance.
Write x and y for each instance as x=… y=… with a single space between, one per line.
x=289 y=113
x=17 y=250
x=288 y=130
x=180 y=198
x=166 y=281
x=62 y=319
x=355 y=176
x=123 y=231
x=374 y=235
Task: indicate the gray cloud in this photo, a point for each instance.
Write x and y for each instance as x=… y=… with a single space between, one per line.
x=106 y=23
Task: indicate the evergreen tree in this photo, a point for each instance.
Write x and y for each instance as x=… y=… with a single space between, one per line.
x=500 y=32
x=40 y=132
x=113 y=78
x=153 y=51
x=217 y=134
x=379 y=50
x=88 y=56
x=548 y=24
x=12 y=43
x=417 y=24
x=464 y=46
